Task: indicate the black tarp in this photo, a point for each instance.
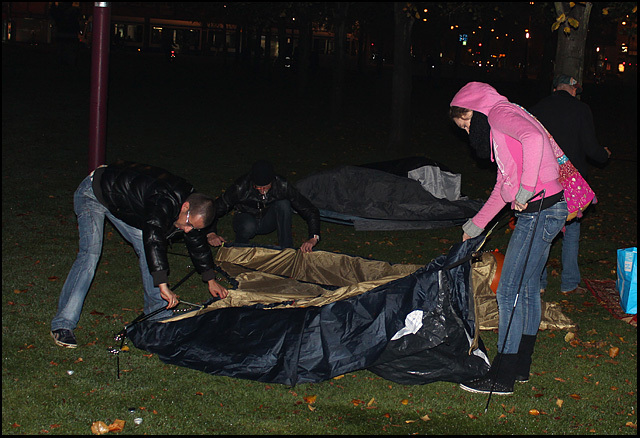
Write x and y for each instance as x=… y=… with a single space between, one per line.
x=374 y=199
x=313 y=344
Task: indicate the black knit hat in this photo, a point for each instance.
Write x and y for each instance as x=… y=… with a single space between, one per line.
x=262 y=173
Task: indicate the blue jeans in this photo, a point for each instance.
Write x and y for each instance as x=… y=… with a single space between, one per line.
x=91 y=214
x=276 y=217
x=518 y=260
x=570 y=278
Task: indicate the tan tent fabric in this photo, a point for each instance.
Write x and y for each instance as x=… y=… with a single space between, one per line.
x=269 y=276
x=486 y=306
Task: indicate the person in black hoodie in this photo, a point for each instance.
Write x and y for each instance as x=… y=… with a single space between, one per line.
x=148 y=206
x=263 y=203
x=570 y=122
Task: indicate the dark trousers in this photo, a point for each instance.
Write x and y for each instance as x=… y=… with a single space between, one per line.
x=276 y=217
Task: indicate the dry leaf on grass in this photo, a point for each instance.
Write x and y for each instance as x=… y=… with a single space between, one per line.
x=99 y=427
x=116 y=426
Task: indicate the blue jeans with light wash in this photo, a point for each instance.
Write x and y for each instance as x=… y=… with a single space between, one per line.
x=570 y=277
x=524 y=260
x=91 y=214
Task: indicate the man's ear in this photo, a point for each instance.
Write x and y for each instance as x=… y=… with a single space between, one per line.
x=185 y=207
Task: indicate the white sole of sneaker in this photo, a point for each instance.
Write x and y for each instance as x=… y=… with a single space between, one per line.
x=479 y=391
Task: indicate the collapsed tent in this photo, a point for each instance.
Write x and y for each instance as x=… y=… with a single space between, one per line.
x=382 y=196
x=408 y=324
x=301 y=318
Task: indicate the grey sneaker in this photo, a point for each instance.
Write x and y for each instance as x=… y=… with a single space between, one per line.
x=64 y=338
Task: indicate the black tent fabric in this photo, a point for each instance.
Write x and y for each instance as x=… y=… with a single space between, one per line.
x=373 y=199
x=416 y=329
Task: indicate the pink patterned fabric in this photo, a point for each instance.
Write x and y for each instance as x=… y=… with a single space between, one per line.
x=577 y=191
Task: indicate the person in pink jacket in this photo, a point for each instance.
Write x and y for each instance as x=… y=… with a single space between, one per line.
x=527 y=180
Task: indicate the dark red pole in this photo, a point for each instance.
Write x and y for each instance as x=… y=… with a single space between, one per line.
x=99 y=81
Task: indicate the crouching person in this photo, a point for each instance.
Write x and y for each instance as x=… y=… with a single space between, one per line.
x=263 y=203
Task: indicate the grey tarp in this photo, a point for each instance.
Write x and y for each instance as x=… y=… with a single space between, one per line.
x=372 y=199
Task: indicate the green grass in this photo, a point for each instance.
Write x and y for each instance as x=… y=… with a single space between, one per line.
x=208 y=122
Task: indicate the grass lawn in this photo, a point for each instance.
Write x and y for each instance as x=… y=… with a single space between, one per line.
x=208 y=121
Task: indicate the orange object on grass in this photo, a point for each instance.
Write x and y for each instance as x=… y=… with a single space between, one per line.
x=496 y=277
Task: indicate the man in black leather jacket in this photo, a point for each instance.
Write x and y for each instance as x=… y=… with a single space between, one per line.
x=148 y=205
x=263 y=203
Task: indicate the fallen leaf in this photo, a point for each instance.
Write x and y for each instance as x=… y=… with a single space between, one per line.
x=311 y=408
x=559 y=402
x=409 y=421
x=575 y=396
x=310 y=399
x=116 y=426
x=425 y=418
x=404 y=401
x=125 y=348
x=473 y=417
x=372 y=401
x=15 y=425
x=613 y=352
x=534 y=412
x=99 y=427
x=53 y=278
x=560 y=379
x=569 y=337
x=631 y=424
x=199 y=393
x=338 y=377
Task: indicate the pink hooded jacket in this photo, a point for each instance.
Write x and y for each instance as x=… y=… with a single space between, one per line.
x=521 y=149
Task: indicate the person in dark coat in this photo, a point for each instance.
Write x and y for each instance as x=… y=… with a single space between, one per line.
x=263 y=203
x=148 y=206
x=570 y=122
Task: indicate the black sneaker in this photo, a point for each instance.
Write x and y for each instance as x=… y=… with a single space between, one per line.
x=64 y=338
x=484 y=386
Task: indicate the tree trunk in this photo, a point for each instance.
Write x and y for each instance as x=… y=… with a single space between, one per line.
x=401 y=83
x=570 y=52
x=340 y=58
x=304 y=50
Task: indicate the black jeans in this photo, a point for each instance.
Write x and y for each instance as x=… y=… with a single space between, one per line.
x=276 y=217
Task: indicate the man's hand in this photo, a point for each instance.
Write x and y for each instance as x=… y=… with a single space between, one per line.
x=308 y=245
x=168 y=295
x=465 y=236
x=216 y=290
x=215 y=240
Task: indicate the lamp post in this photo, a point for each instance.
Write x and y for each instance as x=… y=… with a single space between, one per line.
x=527 y=36
x=99 y=83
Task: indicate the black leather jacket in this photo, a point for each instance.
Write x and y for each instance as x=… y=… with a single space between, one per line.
x=150 y=198
x=245 y=199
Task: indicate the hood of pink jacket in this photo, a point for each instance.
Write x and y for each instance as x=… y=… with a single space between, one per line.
x=478 y=96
